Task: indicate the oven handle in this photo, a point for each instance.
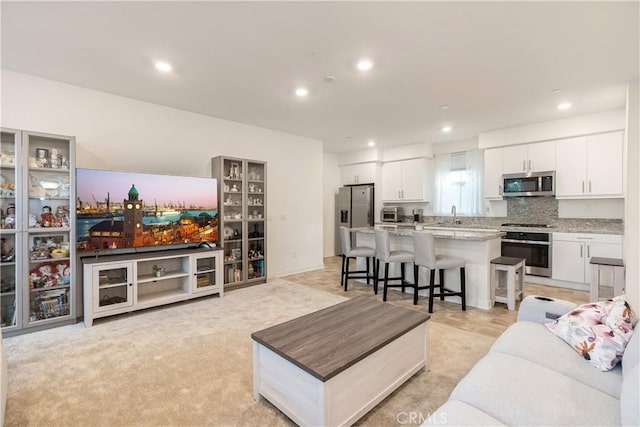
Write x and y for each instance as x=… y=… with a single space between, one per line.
x=528 y=242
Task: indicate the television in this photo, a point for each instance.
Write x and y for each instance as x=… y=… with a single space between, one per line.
x=127 y=210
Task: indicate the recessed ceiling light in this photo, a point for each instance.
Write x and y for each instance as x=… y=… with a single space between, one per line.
x=165 y=67
x=564 y=106
x=301 y=91
x=444 y=107
x=556 y=91
x=364 y=64
x=371 y=143
x=329 y=79
x=446 y=129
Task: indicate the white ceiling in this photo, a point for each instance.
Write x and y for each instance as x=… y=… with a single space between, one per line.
x=494 y=63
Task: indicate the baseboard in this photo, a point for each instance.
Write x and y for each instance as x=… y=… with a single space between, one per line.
x=539 y=280
x=297 y=270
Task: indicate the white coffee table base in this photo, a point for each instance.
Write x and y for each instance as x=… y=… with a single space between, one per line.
x=346 y=397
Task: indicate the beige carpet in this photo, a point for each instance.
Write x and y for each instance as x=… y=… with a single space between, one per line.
x=189 y=364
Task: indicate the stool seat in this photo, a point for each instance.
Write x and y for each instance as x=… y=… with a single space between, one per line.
x=511 y=266
x=444 y=262
x=363 y=251
x=425 y=256
x=349 y=253
x=507 y=260
x=386 y=255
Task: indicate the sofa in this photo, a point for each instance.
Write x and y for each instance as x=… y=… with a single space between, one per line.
x=532 y=377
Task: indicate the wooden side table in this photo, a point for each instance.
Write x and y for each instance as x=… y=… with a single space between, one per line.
x=613 y=267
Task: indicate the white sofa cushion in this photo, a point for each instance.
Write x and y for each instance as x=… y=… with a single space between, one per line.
x=532 y=341
x=630 y=397
x=520 y=392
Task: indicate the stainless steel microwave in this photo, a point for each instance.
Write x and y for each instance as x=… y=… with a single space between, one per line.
x=529 y=184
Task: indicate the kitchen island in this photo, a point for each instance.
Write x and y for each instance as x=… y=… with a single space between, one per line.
x=476 y=247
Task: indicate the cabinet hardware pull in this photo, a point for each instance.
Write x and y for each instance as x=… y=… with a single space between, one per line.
x=583 y=186
x=524 y=165
x=529 y=164
x=580 y=251
x=588 y=251
x=589 y=186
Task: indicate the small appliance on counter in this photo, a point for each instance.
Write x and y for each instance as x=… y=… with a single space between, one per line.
x=417 y=215
x=391 y=214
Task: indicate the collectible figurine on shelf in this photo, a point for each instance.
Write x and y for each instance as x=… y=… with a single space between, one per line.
x=62 y=217
x=47 y=219
x=10 y=218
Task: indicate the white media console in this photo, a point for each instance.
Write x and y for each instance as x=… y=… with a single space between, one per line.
x=116 y=284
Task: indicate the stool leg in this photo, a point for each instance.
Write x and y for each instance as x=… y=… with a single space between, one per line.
x=493 y=279
x=386 y=281
x=342 y=272
x=463 y=288
x=432 y=286
x=521 y=282
x=416 y=276
x=511 y=288
x=402 y=277
x=441 y=285
x=346 y=275
x=376 y=272
x=366 y=260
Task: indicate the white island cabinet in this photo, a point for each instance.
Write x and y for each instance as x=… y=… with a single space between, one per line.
x=476 y=247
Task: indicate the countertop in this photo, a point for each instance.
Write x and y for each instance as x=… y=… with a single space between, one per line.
x=591 y=226
x=438 y=232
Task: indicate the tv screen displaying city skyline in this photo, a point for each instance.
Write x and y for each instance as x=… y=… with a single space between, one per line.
x=117 y=209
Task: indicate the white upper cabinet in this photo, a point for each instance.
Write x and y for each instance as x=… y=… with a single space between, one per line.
x=405 y=180
x=605 y=164
x=590 y=167
x=363 y=173
x=537 y=157
x=493 y=173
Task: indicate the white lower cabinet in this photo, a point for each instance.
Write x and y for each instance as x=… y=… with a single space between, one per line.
x=122 y=283
x=572 y=254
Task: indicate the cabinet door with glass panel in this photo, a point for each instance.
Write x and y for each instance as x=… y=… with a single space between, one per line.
x=9 y=230
x=206 y=268
x=115 y=286
x=48 y=213
x=256 y=213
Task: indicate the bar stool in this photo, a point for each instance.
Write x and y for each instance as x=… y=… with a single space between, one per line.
x=511 y=266
x=425 y=256
x=386 y=255
x=353 y=253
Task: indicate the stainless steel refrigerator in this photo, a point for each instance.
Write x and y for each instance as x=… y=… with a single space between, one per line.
x=354 y=208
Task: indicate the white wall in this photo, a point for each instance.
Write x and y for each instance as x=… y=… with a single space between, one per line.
x=118 y=133
x=632 y=208
x=330 y=189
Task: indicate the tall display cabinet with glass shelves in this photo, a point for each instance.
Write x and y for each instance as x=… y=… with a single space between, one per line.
x=242 y=190
x=10 y=225
x=42 y=211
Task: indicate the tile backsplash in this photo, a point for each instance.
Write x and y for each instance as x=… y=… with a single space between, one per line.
x=532 y=210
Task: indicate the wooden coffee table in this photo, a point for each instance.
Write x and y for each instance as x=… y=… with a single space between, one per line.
x=330 y=367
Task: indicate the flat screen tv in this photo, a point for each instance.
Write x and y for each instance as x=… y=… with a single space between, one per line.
x=120 y=210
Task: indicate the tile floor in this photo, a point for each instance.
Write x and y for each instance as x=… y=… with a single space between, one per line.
x=486 y=322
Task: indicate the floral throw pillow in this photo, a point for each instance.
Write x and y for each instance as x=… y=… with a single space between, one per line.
x=598 y=331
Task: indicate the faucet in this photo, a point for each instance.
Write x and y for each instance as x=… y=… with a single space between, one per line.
x=453 y=212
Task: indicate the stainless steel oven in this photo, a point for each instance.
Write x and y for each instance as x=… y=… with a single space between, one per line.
x=535 y=247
